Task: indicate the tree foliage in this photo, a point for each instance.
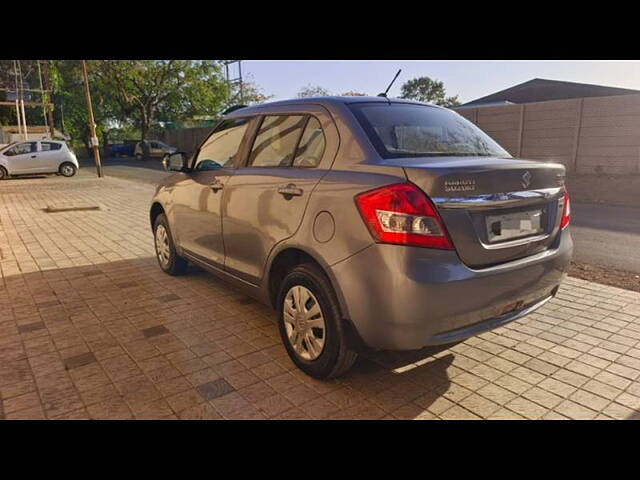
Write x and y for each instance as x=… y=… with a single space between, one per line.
x=424 y=89
x=70 y=107
x=352 y=93
x=149 y=91
x=130 y=98
x=30 y=80
x=313 y=91
x=252 y=94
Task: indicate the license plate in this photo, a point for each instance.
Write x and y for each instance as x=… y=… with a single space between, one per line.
x=514 y=225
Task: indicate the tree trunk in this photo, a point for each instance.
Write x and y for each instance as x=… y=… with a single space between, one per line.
x=144 y=130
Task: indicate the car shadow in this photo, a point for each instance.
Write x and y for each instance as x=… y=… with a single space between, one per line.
x=24 y=177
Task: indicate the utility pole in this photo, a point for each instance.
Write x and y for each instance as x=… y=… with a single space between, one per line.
x=91 y=121
x=47 y=87
x=233 y=82
x=15 y=75
x=24 y=115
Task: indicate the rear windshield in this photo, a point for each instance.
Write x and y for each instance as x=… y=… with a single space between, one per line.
x=418 y=130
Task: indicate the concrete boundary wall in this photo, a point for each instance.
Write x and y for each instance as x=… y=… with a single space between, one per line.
x=597 y=135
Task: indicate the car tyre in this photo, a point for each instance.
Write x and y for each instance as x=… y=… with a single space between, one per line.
x=168 y=259
x=138 y=156
x=319 y=351
x=67 y=169
x=3 y=173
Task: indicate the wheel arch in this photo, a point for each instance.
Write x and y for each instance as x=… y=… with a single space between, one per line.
x=286 y=258
x=156 y=209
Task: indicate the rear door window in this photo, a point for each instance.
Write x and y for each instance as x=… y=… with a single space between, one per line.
x=276 y=141
x=311 y=147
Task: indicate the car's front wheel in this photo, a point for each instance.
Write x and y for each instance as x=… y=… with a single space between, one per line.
x=169 y=260
x=67 y=169
x=310 y=324
x=3 y=173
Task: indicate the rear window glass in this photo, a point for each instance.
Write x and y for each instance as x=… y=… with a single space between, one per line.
x=415 y=130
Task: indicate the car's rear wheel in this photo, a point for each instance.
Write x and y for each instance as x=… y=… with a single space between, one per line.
x=3 y=173
x=310 y=324
x=168 y=259
x=67 y=169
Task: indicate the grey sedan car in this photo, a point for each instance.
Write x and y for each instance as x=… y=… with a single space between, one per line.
x=366 y=222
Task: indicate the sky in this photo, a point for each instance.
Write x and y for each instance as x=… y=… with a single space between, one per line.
x=469 y=79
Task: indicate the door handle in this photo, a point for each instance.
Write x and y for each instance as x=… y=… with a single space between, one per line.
x=34 y=156
x=289 y=190
x=217 y=185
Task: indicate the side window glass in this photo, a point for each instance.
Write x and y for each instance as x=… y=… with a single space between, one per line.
x=311 y=147
x=221 y=148
x=47 y=146
x=21 y=149
x=276 y=141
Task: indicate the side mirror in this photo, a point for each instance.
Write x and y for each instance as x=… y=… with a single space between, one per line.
x=175 y=162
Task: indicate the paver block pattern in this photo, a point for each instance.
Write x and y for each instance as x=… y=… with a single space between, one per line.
x=90 y=327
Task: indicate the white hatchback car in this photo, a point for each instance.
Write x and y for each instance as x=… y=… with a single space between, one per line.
x=30 y=157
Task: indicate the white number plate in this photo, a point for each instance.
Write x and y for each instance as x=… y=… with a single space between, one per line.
x=514 y=225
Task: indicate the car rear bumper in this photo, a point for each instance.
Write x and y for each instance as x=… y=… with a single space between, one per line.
x=404 y=298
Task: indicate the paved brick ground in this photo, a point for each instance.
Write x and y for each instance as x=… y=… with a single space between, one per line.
x=91 y=328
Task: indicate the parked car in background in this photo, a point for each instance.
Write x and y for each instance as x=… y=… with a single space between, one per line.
x=366 y=222
x=156 y=148
x=45 y=156
x=126 y=149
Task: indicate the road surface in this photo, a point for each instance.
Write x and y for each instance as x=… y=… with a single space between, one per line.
x=604 y=235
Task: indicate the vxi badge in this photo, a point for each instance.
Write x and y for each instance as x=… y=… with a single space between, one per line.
x=459 y=185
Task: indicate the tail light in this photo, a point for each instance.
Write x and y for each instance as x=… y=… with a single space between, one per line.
x=566 y=211
x=402 y=214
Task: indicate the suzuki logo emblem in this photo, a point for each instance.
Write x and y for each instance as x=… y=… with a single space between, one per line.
x=526 y=179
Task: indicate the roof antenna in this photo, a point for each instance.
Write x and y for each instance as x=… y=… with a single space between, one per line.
x=387 y=90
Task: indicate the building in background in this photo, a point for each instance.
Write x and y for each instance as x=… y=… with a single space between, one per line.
x=542 y=90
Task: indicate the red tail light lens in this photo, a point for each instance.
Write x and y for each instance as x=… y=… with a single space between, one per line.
x=402 y=214
x=566 y=211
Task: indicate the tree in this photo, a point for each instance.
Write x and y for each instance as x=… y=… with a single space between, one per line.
x=352 y=93
x=252 y=94
x=148 y=91
x=313 y=91
x=30 y=75
x=70 y=108
x=424 y=89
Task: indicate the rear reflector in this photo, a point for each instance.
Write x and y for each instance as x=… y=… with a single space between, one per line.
x=566 y=211
x=402 y=214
